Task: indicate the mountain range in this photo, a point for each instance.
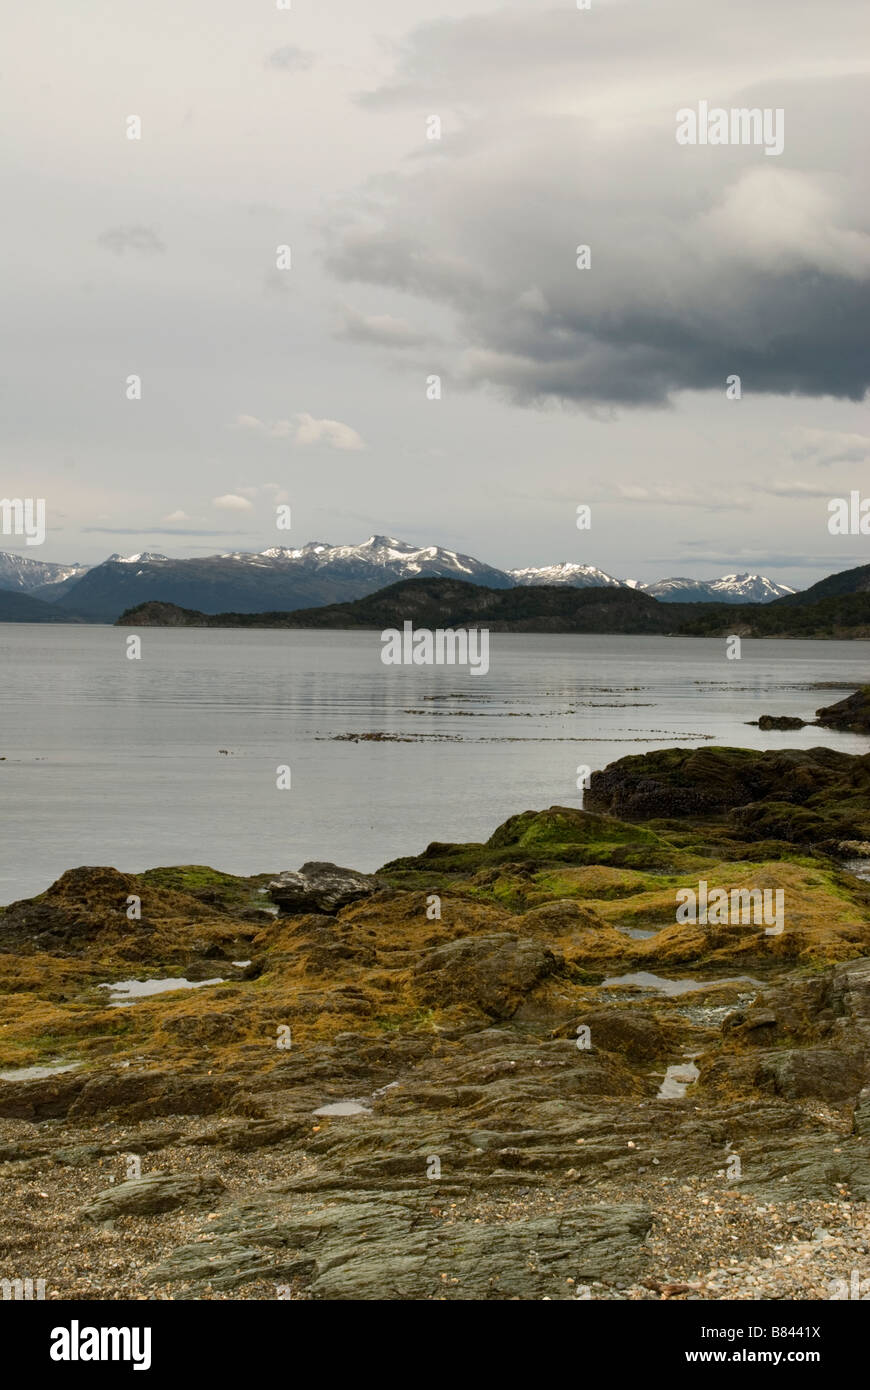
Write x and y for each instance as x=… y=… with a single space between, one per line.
x=731 y=588
x=22 y=574
x=283 y=579
x=561 y=608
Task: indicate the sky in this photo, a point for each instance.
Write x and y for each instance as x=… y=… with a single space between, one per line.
x=433 y=169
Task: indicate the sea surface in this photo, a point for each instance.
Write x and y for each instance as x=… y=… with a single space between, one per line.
x=109 y=761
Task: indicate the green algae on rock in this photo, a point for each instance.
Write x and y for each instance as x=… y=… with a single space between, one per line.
x=501 y=1130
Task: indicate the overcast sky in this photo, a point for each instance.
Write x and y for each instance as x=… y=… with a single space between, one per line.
x=414 y=257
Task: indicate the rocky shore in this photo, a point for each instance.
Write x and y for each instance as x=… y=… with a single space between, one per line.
x=851 y=715
x=489 y=1071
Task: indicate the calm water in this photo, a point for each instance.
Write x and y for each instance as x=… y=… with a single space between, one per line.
x=116 y=762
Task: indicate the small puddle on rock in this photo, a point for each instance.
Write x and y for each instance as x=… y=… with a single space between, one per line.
x=643 y=980
x=859 y=867
x=343 y=1107
x=140 y=989
x=37 y=1073
x=382 y=1091
x=677 y=1078
x=639 y=933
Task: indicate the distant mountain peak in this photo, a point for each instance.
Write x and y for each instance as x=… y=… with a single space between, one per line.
x=728 y=588
x=566 y=572
x=144 y=557
x=24 y=574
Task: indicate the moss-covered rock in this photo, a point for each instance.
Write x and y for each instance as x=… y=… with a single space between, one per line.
x=851 y=714
x=832 y=790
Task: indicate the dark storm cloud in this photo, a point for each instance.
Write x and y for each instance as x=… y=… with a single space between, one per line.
x=706 y=262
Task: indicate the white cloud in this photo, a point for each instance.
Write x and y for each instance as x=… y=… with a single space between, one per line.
x=662 y=495
x=381 y=329
x=787 y=488
x=231 y=502
x=177 y=516
x=331 y=432
x=832 y=446
x=780 y=219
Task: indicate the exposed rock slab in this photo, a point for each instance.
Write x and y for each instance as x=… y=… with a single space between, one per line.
x=322 y=887
x=371 y=1246
x=150 y=1195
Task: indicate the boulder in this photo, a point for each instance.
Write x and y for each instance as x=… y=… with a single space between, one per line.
x=321 y=888
x=630 y=1032
x=824 y=1073
x=493 y=973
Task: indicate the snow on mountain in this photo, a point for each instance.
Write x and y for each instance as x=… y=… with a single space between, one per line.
x=280 y=578
x=21 y=573
x=751 y=588
x=730 y=588
x=399 y=559
x=145 y=557
x=579 y=576
x=286 y=577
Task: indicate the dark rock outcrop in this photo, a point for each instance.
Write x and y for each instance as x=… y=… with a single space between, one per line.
x=851 y=714
x=321 y=888
x=781 y=721
x=806 y=795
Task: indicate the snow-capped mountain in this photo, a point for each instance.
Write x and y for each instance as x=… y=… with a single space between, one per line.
x=145 y=556
x=399 y=559
x=580 y=576
x=731 y=588
x=282 y=578
x=19 y=572
x=279 y=578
